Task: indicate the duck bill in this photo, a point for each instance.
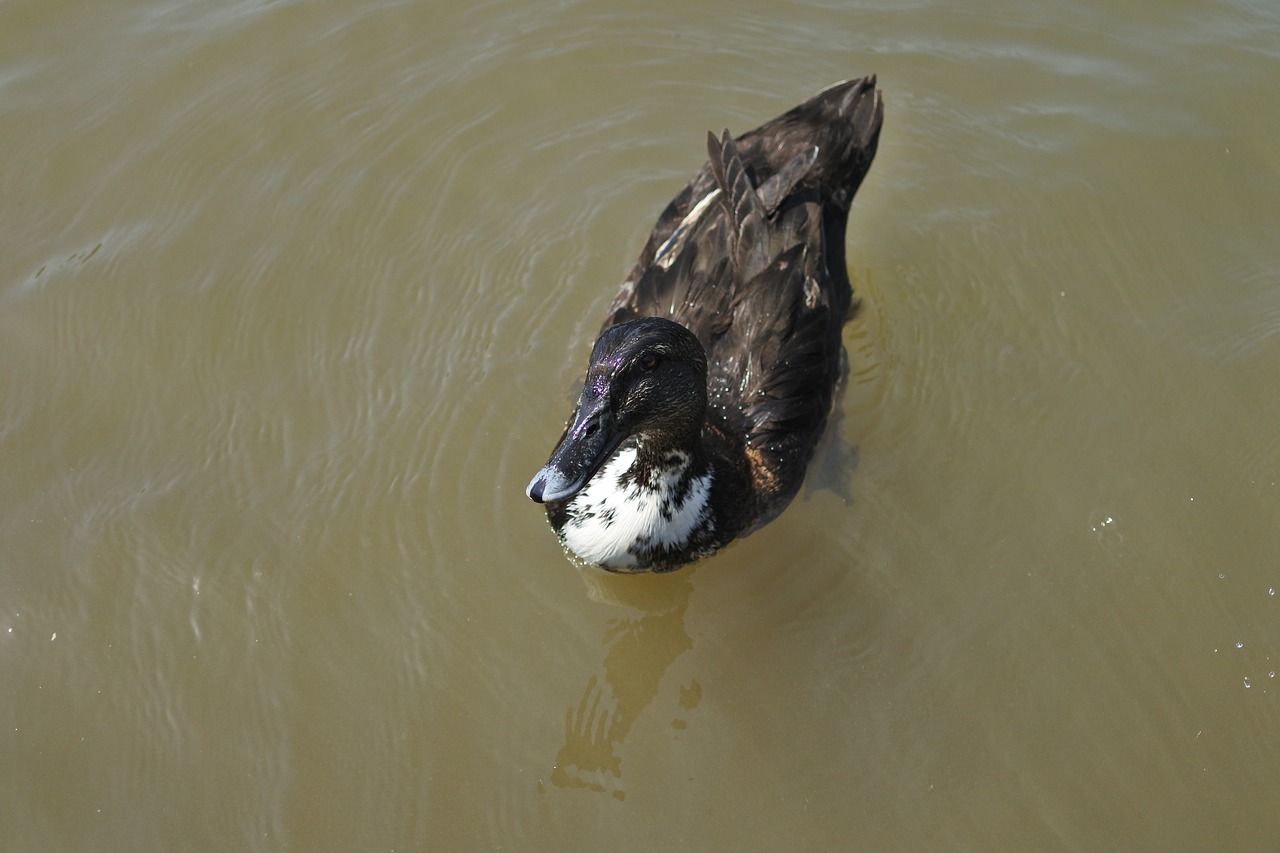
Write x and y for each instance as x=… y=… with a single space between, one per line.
x=583 y=448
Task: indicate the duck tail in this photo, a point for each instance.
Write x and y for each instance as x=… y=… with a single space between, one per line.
x=843 y=121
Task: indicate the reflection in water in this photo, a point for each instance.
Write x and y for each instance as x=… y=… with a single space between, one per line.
x=639 y=652
x=1109 y=533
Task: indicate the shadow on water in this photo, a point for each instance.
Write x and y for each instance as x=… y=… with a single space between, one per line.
x=835 y=458
x=640 y=649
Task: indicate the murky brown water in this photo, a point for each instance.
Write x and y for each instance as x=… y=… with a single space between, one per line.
x=293 y=297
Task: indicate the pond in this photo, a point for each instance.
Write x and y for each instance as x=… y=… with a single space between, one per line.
x=294 y=298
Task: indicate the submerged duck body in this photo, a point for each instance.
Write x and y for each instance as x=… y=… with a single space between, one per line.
x=714 y=372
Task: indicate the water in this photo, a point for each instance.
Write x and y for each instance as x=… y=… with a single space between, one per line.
x=293 y=298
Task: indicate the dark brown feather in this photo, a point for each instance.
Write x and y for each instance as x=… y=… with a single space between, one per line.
x=759 y=276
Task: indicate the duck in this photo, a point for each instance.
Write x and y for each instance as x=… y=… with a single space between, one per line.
x=715 y=369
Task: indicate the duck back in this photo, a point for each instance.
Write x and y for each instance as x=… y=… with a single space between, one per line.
x=750 y=257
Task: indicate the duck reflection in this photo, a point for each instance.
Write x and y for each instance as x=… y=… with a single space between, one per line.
x=639 y=650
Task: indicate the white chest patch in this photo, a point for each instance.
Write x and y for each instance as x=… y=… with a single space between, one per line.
x=616 y=518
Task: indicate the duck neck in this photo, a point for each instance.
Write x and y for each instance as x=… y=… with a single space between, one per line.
x=659 y=456
x=647 y=508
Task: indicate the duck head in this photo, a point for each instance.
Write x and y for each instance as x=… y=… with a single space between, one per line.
x=647 y=379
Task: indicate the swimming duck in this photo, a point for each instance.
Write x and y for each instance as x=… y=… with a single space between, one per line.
x=714 y=371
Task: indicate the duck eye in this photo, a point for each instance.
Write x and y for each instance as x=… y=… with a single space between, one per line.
x=648 y=361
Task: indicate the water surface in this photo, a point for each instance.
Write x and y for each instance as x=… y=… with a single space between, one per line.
x=293 y=298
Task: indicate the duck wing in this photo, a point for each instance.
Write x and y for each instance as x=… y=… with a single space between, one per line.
x=683 y=271
x=686 y=270
x=773 y=370
x=748 y=221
